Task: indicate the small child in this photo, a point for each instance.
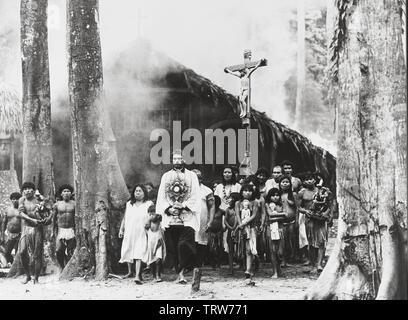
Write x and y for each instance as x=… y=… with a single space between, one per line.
x=320 y=202
x=156 y=248
x=215 y=236
x=275 y=232
x=231 y=223
x=247 y=210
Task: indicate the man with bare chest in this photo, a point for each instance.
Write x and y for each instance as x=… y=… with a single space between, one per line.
x=34 y=215
x=11 y=228
x=64 y=225
x=306 y=195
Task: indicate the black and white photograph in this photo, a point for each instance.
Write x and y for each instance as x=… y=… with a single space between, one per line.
x=203 y=151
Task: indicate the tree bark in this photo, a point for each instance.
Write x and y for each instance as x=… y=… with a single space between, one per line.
x=96 y=170
x=300 y=66
x=37 y=140
x=369 y=260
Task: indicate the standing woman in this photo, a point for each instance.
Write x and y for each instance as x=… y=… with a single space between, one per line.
x=289 y=204
x=133 y=230
x=229 y=184
x=223 y=190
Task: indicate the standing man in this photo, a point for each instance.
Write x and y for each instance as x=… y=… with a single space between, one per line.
x=63 y=213
x=274 y=181
x=206 y=216
x=288 y=170
x=11 y=228
x=34 y=217
x=178 y=201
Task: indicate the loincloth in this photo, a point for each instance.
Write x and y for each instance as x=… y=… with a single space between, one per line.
x=65 y=234
x=31 y=241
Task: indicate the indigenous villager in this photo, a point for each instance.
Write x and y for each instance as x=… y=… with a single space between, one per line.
x=287 y=167
x=231 y=224
x=289 y=208
x=151 y=191
x=179 y=203
x=64 y=225
x=316 y=224
x=229 y=184
x=207 y=211
x=262 y=175
x=133 y=230
x=156 y=247
x=259 y=221
x=274 y=181
x=246 y=210
x=305 y=196
x=274 y=228
x=11 y=227
x=215 y=234
x=34 y=211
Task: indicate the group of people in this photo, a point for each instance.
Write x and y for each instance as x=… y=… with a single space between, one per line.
x=187 y=224
x=242 y=220
x=23 y=228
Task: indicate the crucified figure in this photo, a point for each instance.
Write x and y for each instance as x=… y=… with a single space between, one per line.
x=244 y=74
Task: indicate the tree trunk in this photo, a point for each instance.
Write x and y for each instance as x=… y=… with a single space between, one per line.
x=100 y=189
x=369 y=260
x=300 y=66
x=37 y=140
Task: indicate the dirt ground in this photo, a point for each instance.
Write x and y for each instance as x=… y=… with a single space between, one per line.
x=215 y=284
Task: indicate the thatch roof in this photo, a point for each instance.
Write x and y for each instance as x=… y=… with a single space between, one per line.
x=10 y=110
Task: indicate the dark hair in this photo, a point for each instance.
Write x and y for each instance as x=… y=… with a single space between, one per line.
x=27 y=185
x=308 y=176
x=247 y=187
x=235 y=196
x=263 y=171
x=252 y=178
x=290 y=191
x=132 y=195
x=286 y=163
x=233 y=177
x=63 y=187
x=156 y=218
x=273 y=192
x=217 y=201
x=149 y=184
x=15 y=196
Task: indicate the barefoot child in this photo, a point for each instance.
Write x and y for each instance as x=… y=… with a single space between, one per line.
x=156 y=249
x=274 y=228
x=215 y=234
x=246 y=211
x=231 y=223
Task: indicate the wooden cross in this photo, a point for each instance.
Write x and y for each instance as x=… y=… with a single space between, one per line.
x=244 y=72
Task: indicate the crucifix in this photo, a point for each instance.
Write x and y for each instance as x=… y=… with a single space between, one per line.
x=244 y=71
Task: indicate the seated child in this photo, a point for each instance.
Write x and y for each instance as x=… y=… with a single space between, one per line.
x=156 y=248
x=215 y=236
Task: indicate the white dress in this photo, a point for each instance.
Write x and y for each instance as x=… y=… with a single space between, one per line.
x=134 y=243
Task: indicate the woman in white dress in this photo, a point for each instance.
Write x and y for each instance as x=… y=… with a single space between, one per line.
x=133 y=230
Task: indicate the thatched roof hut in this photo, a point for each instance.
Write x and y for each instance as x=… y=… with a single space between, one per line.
x=146 y=89
x=10 y=111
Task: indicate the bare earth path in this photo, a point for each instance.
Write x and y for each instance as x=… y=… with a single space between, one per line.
x=214 y=285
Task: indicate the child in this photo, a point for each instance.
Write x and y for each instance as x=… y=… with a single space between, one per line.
x=274 y=228
x=231 y=223
x=215 y=240
x=156 y=249
x=246 y=211
x=288 y=197
x=318 y=216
